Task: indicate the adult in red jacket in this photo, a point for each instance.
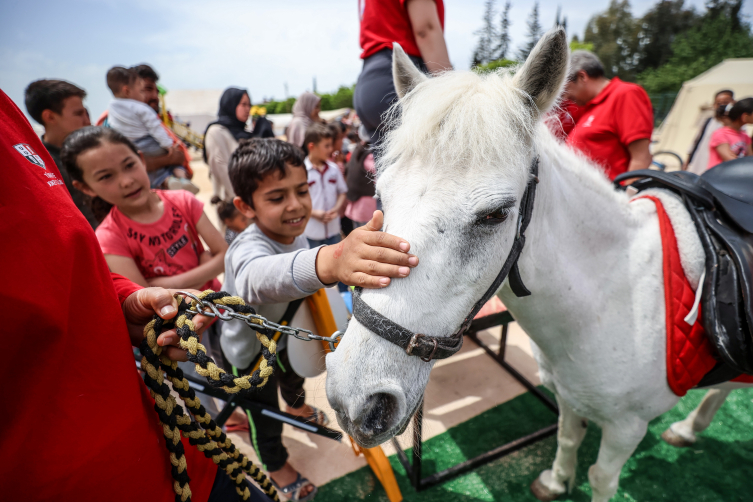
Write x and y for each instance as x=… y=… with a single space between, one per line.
x=418 y=26
x=79 y=423
x=616 y=121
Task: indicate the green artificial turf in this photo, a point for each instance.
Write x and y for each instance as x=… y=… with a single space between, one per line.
x=718 y=468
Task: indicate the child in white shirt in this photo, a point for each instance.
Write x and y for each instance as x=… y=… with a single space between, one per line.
x=326 y=186
x=138 y=122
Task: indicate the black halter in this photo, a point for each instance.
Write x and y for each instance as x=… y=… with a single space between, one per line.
x=433 y=347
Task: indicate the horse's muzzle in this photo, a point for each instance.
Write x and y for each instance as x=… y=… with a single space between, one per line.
x=377 y=420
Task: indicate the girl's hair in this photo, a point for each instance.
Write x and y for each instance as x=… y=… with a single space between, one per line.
x=225 y=209
x=83 y=140
x=741 y=107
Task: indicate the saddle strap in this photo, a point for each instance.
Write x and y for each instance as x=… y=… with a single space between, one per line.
x=681 y=181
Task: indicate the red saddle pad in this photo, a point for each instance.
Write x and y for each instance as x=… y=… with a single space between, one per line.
x=689 y=352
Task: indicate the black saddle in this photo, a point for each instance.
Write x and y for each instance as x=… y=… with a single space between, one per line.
x=720 y=202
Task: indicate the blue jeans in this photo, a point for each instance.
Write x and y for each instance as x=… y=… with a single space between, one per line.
x=324 y=242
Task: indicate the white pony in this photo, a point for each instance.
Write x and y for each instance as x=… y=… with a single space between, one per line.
x=453 y=170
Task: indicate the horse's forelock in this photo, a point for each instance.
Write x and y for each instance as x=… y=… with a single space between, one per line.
x=459 y=120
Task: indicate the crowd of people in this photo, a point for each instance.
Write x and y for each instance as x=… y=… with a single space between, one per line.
x=297 y=215
x=282 y=205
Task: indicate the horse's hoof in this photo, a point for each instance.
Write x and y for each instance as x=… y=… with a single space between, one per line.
x=671 y=438
x=543 y=493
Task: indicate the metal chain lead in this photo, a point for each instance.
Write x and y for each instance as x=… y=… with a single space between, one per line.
x=256 y=322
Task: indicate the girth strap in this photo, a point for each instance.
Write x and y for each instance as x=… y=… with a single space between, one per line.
x=440 y=347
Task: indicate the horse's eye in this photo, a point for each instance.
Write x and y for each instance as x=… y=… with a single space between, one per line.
x=495 y=217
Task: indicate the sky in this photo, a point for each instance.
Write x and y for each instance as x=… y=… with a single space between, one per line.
x=260 y=45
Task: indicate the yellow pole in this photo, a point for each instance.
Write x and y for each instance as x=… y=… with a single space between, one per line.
x=377 y=460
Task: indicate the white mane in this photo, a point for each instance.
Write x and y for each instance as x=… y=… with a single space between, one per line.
x=459 y=119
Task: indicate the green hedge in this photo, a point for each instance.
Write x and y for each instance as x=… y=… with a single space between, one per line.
x=342 y=98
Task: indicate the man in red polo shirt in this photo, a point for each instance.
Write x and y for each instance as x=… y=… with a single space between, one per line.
x=79 y=423
x=616 y=121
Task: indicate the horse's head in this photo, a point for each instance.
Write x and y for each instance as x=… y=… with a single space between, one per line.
x=452 y=171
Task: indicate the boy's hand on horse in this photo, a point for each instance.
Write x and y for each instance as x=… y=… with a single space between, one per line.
x=140 y=307
x=367 y=257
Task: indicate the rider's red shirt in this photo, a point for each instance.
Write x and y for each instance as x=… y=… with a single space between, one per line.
x=387 y=21
x=620 y=114
x=78 y=421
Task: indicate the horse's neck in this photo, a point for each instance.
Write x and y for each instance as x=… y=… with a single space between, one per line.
x=576 y=242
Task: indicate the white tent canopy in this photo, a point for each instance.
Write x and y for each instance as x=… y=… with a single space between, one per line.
x=679 y=129
x=195 y=106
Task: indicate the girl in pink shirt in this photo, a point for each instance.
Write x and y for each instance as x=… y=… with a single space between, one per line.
x=152 y=237
x=731 y=142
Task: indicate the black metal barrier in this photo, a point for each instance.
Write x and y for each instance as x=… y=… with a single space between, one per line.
x=414 y=469
x=233 y=401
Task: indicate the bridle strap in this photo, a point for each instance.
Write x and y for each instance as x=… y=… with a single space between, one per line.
x=425 y=347
x=440 y=347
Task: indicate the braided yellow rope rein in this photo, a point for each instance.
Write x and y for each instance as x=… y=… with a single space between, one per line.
x=207 y=436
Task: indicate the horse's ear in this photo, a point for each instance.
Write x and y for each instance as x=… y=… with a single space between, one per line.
x=404 y=73
x=542 y=75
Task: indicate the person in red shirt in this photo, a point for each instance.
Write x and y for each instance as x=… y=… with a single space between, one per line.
x=616 y=122
x=79 y=422
x=418 y=26
x=561 y=121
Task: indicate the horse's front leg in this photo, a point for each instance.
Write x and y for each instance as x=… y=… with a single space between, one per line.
x=618 y=442
x=560 y=479
x=683 y=433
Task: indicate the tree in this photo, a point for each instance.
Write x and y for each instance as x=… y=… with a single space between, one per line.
x=342 y=98
x=721 y=33
x=658 y=29
x=534 y=33
x=560 y=22
x=503 y=35
x=613 y=34
x=486 y=35
x=577 y=45
x=493 y=65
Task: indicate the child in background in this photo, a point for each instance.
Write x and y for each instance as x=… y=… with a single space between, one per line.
x=138 y=122
x=235 y=222
x=731 y=142
x=149 y=236
x=270 y=265
x=338 y=135
x=360 y=173
x=326 y=185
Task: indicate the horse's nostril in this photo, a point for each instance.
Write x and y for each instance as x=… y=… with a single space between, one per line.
x=379 y=413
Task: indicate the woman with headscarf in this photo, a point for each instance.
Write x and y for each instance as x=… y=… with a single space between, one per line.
x=305 y=112
x=222 y=136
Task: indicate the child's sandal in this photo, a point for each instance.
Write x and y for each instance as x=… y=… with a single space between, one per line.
x=318 y=417
x=293 y=490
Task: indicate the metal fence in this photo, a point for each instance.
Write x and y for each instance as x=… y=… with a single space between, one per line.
x=662 y=103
